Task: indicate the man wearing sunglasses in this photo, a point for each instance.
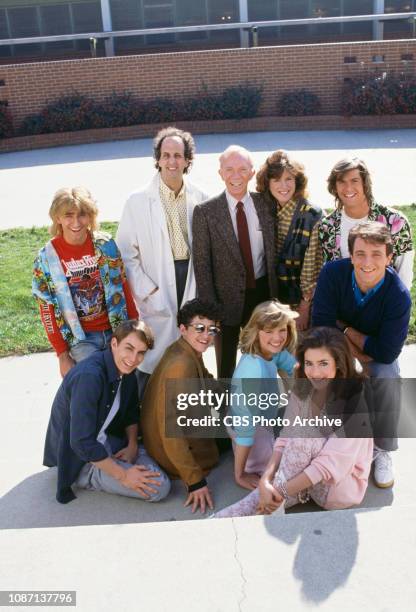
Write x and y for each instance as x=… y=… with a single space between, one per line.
x=189 y=459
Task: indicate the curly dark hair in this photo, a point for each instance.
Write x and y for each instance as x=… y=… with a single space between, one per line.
x=198 y=308
x=170 y=132
x=273 y=168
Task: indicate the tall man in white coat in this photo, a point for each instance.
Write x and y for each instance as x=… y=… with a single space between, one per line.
x=155 y=241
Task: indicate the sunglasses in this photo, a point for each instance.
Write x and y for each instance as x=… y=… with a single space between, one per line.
x=200 y=328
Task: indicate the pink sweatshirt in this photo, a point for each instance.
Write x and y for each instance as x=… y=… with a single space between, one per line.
x=343 y=463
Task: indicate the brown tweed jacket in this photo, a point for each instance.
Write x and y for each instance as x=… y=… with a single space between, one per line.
x=219 y=269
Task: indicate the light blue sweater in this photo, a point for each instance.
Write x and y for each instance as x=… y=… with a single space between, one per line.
x=256 y=367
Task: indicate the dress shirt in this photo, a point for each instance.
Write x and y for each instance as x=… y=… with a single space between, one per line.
x=254 y=230
x=176 y=219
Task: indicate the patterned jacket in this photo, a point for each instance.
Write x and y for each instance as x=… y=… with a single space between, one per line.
x=49 y=285
x=330 y=231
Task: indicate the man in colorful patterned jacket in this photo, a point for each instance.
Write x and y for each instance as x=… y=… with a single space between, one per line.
x=350 y=183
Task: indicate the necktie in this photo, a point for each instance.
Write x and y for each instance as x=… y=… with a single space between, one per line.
x=245 y=246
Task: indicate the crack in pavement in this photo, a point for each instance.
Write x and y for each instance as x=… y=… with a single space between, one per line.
x=240 y=565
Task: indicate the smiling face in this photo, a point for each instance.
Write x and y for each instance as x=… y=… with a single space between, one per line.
x=236 y=170
x=283 y=188
x=319 y=366
x=128 y=353
x=369 y=260
x=272 y=340
x=74 y=224
x=172 y=162
x=350 y=191
x=199 y=340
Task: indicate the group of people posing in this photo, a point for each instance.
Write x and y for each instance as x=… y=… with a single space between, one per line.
x=303 y=296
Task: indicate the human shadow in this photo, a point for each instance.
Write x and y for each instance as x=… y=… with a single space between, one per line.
x=32 y=503
x=327 y=545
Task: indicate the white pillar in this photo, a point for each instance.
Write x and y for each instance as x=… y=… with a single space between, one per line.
x=107 y=27
x=378 y=26
x=244 y=35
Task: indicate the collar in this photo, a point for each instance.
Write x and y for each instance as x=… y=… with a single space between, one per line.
x=362 y=298
x=112 y=372
x=232 y=202
x=168 y=192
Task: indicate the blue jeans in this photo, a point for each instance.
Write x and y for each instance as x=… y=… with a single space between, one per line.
x=385 y=402
x=94 y=479
x=94 y=341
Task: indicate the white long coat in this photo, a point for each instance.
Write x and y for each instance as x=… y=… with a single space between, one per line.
x=143 y=240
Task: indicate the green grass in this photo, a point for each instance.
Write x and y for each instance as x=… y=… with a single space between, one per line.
x=21 y=331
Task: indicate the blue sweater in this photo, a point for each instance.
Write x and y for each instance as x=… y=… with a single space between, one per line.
x=255 y=367
x=384 y=319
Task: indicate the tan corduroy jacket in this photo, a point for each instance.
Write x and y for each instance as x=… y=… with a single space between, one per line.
x=190 y=459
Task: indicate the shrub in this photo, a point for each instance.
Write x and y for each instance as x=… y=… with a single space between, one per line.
x=241 y=102
x=72 y=113
x=298 y=102
x=6 y=122
x=78 y=112
x=122 y=109
x=379 y=95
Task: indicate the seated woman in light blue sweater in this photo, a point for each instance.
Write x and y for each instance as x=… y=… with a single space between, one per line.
x=266 y=343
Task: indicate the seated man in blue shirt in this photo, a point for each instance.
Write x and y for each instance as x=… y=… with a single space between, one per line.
x=93 y=427
x=367 y=300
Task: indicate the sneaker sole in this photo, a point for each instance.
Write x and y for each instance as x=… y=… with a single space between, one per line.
x=384 y=485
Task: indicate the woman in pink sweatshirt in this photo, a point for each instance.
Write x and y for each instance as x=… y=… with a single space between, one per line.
x=331 y=470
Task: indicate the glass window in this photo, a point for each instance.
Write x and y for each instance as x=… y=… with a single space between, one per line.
x=4 y=33
x=189 y=13
x=294 y=9
x=158 y=14
x=54 y=20
x=398 y=6
x=126 y=14
x=23 y=22
x=87 y=17
x=358 y=7
x=224 y=11
x=262 y=10
x=326 y=8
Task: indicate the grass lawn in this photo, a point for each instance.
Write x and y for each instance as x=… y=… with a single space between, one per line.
x=21 y=331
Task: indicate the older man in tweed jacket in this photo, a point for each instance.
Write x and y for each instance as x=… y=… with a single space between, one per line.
x=233 y=251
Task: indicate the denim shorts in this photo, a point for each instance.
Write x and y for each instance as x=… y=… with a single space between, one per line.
x=94 y=341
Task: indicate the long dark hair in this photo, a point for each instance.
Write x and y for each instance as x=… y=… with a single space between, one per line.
x=336 y=344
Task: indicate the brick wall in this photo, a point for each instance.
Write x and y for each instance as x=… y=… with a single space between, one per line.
x=320 y=68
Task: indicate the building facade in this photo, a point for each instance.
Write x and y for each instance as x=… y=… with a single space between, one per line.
x=39 y=18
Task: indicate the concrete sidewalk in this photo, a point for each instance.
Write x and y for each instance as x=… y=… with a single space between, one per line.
x=122 y=553
x=112 y=170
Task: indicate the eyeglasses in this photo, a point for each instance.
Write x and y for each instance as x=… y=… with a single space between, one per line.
x=200 y=328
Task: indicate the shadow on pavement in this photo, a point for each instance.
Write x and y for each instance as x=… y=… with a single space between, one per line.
x=32 y=504
x=326 y=551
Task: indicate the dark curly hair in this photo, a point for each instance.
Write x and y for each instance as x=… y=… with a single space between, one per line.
x=273 y=168
x=171 y=132
x=198 y=308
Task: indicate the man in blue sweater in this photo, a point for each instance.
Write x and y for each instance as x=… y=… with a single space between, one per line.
x=366 y=299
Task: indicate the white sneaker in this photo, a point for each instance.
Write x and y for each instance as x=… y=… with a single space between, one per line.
x=383 y=469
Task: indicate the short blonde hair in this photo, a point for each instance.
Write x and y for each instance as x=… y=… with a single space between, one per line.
x=66 y=199
x=268 y=315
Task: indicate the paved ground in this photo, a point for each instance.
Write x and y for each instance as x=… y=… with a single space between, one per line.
x=121 y=554
x=111 y=171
